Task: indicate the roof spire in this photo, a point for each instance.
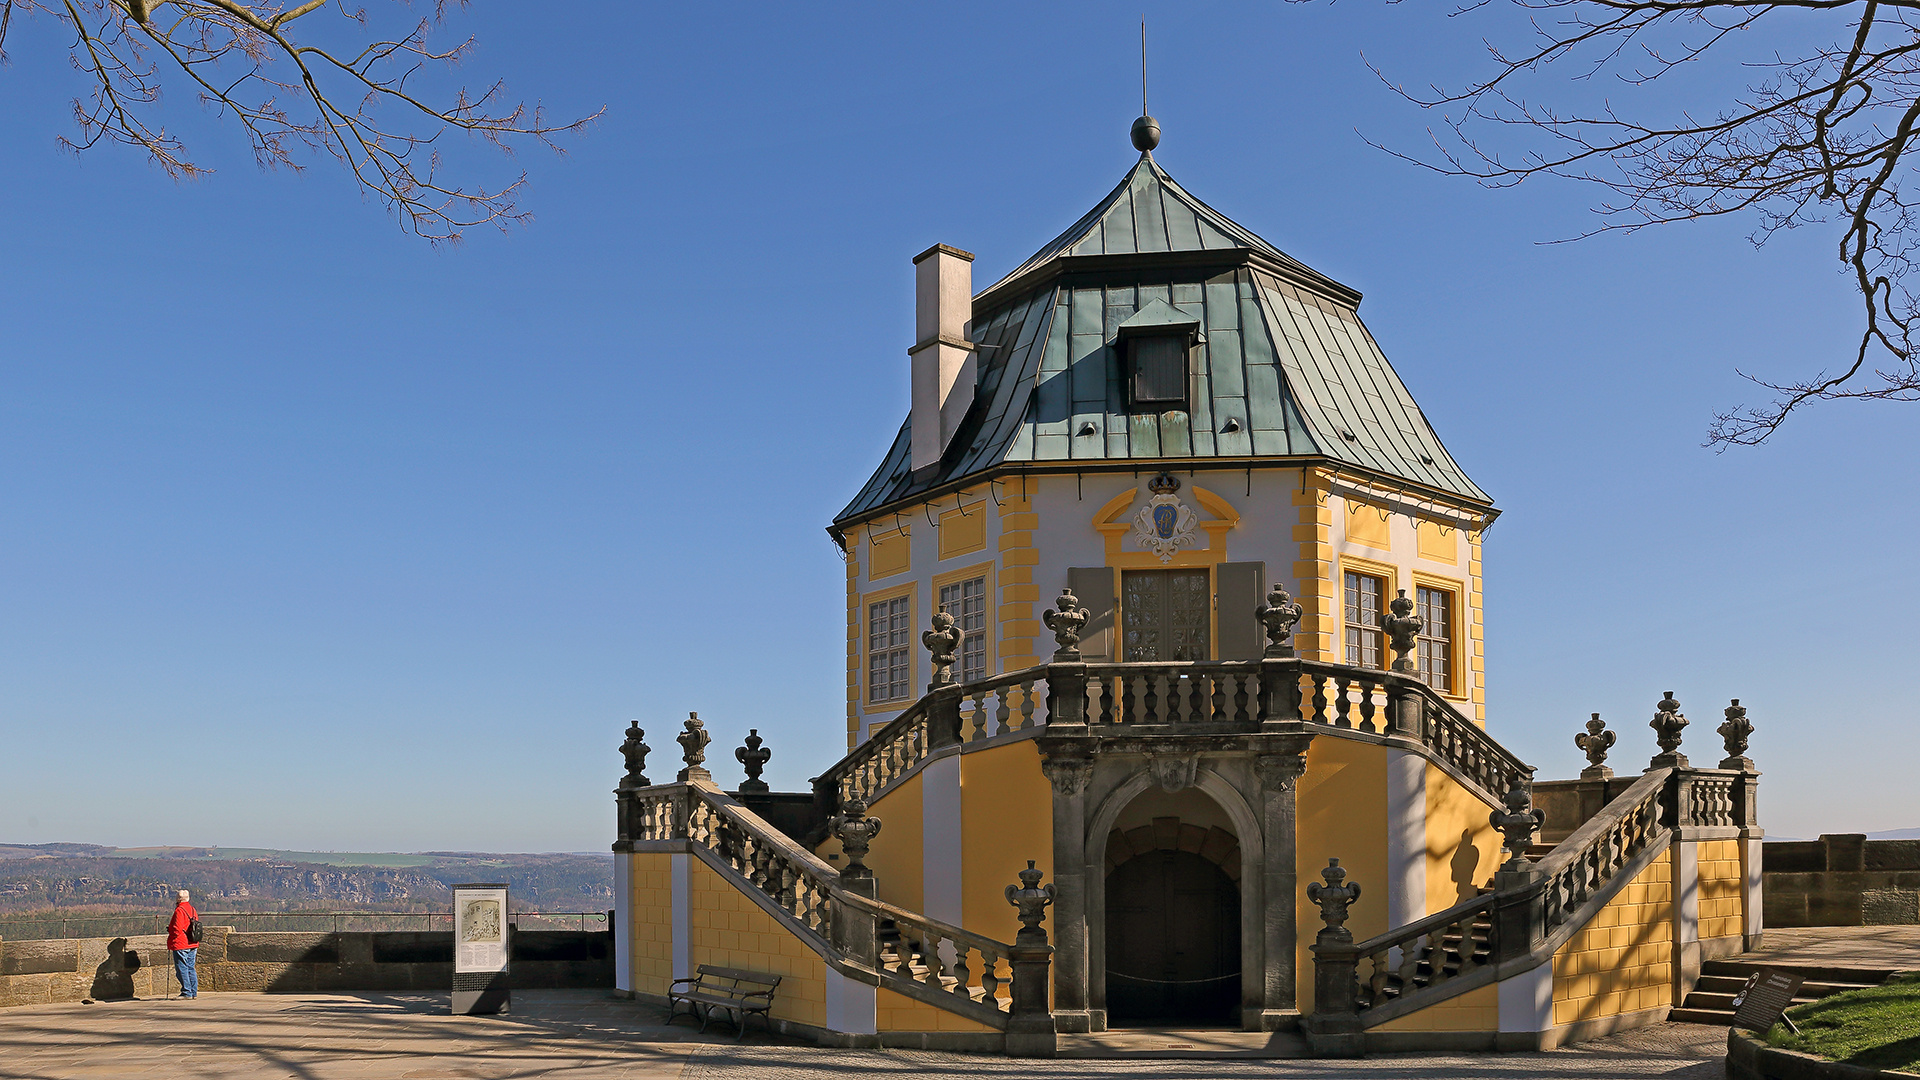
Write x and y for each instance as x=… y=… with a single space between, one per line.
x=1146 y=130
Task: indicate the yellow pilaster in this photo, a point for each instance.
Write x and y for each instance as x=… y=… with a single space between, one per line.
x=1313 y=568
x=1018 y=591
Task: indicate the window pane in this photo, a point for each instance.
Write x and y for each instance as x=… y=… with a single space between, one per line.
x=1362 y=594
x=1436 y=637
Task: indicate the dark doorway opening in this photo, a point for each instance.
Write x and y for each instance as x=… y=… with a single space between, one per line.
x=1173 y=942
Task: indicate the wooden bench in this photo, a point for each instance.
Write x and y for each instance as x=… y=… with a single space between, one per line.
x=730 y=990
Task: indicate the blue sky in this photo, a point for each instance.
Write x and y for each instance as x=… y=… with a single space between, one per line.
x=317 y=537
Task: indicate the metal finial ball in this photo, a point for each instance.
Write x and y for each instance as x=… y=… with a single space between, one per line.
x=1146 y=134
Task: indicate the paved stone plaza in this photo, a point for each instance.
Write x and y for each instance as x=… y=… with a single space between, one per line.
x=585 y=1035
x=581 y=1035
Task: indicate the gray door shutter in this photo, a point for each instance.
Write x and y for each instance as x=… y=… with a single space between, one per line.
x=1094 y=586
x=1243 y=587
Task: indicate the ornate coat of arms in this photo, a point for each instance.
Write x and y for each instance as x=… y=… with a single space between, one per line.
x=1164 y=525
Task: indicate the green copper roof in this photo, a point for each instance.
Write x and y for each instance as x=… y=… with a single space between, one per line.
x=1284 y=367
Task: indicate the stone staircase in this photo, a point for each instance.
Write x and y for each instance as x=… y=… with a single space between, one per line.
x=1711 y=1001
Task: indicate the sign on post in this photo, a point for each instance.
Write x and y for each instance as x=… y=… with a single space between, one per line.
x=480 y=949
x=1763 y=1002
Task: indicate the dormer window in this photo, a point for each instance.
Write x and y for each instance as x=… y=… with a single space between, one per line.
x=1156 y=347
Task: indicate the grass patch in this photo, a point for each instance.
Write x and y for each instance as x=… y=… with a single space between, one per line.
x=1875 y=1028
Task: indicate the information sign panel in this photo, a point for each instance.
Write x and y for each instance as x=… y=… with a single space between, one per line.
x=481 y=948
x=1760 y=1004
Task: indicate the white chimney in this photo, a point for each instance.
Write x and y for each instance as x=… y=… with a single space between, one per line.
x=943 y=358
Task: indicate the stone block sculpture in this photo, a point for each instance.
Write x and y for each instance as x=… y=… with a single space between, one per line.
x=1595 y=742
x=1279 y=616
x=635 y=751
x=693 y=746
x=754 y=758
x=943 y=641
x=1065 y=618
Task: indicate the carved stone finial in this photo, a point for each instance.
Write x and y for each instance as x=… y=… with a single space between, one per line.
x=1402 y=627
x=1032 y=900
x=1065 y=618
x=1279 y=615
x=754 y=757
x=1667 y=724
x=1595 y=741
x=1333 y=898
x=1519 y=821
x=635 y=750
x=1736 y=730
x=855 y=831
x=693 y=745
x=943 y=641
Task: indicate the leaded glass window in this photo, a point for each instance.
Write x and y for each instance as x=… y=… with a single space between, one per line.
x=889 y=649
x=1363 y=613
x=966 y=601
x=1435 y=608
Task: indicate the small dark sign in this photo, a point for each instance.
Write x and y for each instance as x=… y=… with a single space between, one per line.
x=1759 y=1004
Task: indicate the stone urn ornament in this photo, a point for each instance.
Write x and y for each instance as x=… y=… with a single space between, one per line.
x=1595 y=742
x=943 y=641
x=1065 y=618
x=1736 y=730
x=1279 y=616
x=635 y=750
x=1333 y=897
x=1667 y=724
x=855 y=831
x=1519 y=821
x=693 y=746
x=1403 y=628
x=754 y=758
x=1032 y=900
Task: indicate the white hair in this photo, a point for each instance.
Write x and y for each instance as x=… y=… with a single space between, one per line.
x=183 y=894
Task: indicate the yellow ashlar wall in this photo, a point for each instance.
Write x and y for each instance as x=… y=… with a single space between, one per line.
x=897 y=1012
x=899 y=872
x=651 y=923
x=1342 y=807
x=1475 y=1010
x=1722 y=894
x=1006 y=806
x=1622 y=961
x=730 y=930
x=1463 y=847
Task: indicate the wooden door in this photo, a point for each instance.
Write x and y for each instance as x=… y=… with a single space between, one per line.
x=1173 y=942
x=1165 y=614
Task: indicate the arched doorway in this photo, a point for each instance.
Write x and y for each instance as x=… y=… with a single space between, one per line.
x=1173 y=941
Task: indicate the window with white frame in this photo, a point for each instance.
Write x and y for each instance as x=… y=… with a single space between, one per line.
x=1363 y=612
x=966 y=601
x=889 y=649
x=1435 y=608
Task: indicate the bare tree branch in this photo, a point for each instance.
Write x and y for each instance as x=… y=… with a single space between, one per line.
x=243 y=58
x=1823 y=135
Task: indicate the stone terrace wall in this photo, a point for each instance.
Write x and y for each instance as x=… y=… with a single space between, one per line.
x=41 y=972
x=1841 y=880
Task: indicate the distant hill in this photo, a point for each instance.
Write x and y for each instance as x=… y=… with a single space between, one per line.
x=52 y=877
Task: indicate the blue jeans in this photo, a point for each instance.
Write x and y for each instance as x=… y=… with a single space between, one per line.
x=184 y=966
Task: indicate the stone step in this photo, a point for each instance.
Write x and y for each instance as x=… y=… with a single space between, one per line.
x=1850 y=977
x=1722 y=1001
x=1718 y=1017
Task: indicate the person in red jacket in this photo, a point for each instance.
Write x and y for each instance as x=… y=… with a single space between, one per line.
x=185 y=947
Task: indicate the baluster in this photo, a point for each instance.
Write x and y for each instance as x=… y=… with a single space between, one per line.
x=1366 y=706
x=1149 y=681
x=1376 y=983
x=1002 y=709
x=930 y=956
x=1199 y=707
x=990 y=978
x=1026 y=704
x=1217 y=707
x=1342 y=702
x=1319 y=699
x=1133 y=697
x=1240 y=695
x=962 y=975
x=1411 y=954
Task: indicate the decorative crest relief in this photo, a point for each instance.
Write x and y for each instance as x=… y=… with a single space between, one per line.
x=1165 y=524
